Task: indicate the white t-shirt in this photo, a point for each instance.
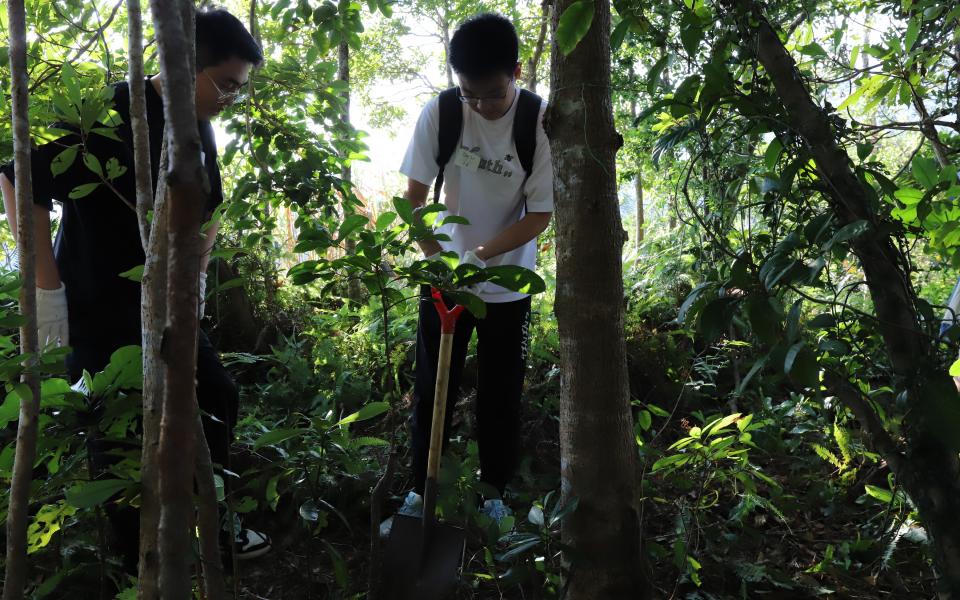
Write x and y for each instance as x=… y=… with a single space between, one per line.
x=490 y=196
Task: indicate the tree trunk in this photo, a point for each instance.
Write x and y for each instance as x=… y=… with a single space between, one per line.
x=445 y=31
x=596 y=427
x=354 y=293
x=929 y=468
x=208 y=521
x=138 y=120
x=534 y=63
x=153 y=307
x=153 y=315
x=29 y=389
x=187 y=188
x=638 y=186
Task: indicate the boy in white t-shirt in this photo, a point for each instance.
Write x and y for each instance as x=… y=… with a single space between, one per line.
x=507 y=207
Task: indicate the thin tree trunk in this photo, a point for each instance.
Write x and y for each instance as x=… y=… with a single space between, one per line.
x=596 y=427
x=138 y=120
x=534 y=63
x=930 y=467
x=153 y=316
x=638 y=186
x=187 y=188
x=354 y=293
x=208 y=521
x=29 y=390
x=445 y=32
x=153 y=306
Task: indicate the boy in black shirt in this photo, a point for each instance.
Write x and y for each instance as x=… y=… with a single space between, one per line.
x=82 y=299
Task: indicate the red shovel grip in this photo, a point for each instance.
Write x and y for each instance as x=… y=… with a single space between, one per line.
x=448 y=316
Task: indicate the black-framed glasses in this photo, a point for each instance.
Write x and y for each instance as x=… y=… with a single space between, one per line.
x=235 y=95
x=475 y=100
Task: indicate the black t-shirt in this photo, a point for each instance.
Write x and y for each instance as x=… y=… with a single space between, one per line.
x=99 y=237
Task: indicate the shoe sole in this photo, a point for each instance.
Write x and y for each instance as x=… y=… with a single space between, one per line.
x=254 y=553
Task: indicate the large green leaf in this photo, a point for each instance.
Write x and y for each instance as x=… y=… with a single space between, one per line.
x=517 y=279
x=374 y=409
x=574 y=24
x=93 y=493
x=278 y=435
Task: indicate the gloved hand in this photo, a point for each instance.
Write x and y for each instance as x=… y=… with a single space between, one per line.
x=470 y=258
x=52 y=316
x=203 y=293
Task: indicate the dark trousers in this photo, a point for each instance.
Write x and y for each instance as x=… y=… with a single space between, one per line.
x=217 y=395
x=501 y=356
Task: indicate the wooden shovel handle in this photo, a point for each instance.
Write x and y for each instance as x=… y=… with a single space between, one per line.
x=448 y=322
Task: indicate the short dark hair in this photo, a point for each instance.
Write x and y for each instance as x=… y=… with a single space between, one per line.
x=221 y=36
x=484 y=45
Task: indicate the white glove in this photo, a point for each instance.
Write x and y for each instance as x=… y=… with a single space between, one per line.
x=470 y=258
x=203 y=293
x=52 y=316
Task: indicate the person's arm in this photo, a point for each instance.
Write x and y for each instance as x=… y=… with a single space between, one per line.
x=48 y=276
x=529 y=227
x=417 y=195
x=209 y=239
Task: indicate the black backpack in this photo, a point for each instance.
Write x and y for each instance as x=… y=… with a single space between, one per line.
x=451 y=128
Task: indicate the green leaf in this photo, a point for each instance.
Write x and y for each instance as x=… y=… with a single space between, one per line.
x=791 y=356
x=913 y=32
x=691 y=34
x=134 y=274
x=278 y=435
x=925 y=171
x=517 y=279
x=107 y=132
x=115 y=169
x=885 y=496
x=385 y=220
x=93 y=163
x=351 y=224
x=715 y=318
x=813 y=49
x=644 y=419
x=764 y=319
x=81 y=191
x=374 y=409
x=574 y=24
x=772 y=155
x=656 y=71
x=69 y=78
x=619 y=34
x=864 y=150
x=404 y=209
x=94 y=493
x=64 y=160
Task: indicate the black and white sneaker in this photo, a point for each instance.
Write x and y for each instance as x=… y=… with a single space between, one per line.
x=251 y=544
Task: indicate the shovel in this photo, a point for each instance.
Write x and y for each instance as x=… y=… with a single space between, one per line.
x=422 y=557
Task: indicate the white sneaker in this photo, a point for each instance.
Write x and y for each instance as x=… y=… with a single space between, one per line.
x=251 y=544
x=412 y=507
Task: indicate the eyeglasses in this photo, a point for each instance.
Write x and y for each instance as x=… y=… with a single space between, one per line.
x=234 y=95
x=475 y=100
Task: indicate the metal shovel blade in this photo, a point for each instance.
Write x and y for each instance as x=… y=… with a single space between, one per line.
x=418 y=569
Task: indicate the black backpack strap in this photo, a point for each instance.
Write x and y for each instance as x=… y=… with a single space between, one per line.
x=525 y=128
x=448 y=133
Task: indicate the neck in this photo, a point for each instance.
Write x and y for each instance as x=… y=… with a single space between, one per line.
x=511 y=94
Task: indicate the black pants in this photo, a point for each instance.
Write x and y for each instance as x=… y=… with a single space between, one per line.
x=217 y=395
x=501 y=356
